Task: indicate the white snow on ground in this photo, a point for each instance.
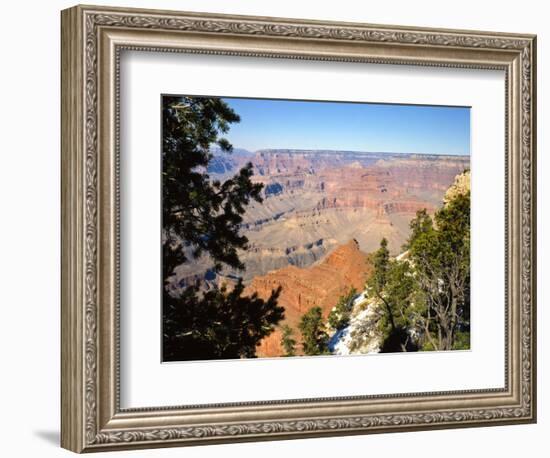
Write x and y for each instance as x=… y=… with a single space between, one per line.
x=402 y=255
x=362 y=297
x=359 y=337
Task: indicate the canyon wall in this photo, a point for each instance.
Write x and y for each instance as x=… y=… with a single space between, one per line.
x=320 y=285
x=322 y=213
x=317 y=200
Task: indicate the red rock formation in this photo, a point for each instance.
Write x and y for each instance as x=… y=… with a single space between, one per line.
x=319 y=285
x=332 y=196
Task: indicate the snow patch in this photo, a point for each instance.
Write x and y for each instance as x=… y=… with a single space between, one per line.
x=360 y=336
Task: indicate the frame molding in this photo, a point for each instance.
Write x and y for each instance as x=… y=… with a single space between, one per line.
x=92 y=39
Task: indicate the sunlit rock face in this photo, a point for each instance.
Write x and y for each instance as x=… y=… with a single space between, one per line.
x=322 y=213
x=320 y=285
x=317 y=200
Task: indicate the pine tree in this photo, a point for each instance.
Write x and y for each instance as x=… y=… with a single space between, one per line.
x=203 y=216
x=287 y=340
x=379 y=278
x=441 y=257
x=314 y=337
x=426 y=297
x=218 y=324
x=340 y=315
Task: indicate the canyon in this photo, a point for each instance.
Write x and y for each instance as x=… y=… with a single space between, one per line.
x=320 y=285
x=322 y=213
x=314 y=201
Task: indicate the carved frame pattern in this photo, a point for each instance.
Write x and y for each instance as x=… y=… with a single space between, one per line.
x=86 y=24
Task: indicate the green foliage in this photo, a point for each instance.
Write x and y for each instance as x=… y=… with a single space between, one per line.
x=381 y=263
x=340 y=314
x=393 y=284
x=203 y=216
x=218 y=324
x=399 y=290
x=314 y=337
x=426 y=296
x=428 y=346
x=377 y=286
x=199 y=213
x=287 y=340
x=419 y=226
x=440 y=254
x=462 y=341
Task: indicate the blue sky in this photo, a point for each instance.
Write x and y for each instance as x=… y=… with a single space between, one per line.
x=349 y=126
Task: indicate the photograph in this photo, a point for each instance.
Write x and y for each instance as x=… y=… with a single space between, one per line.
x=313 y=228
x=288 y=226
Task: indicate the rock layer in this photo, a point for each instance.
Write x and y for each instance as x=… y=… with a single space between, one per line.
x=317 y=286
x=316 y=200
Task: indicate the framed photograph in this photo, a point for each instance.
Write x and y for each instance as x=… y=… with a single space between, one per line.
x=277 y=228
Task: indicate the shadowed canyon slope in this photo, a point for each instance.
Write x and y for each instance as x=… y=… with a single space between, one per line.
x=319 y=285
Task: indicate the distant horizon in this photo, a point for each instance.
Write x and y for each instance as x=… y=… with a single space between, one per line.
x=349 y=126
x=306 y=150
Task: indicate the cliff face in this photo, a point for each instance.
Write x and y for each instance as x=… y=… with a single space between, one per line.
x=461 y=185
x=317 y=200
x=322 y=211
x=362 y=335
x=319 y=285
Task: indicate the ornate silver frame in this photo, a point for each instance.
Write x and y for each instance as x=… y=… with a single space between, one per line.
x=92 y=38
